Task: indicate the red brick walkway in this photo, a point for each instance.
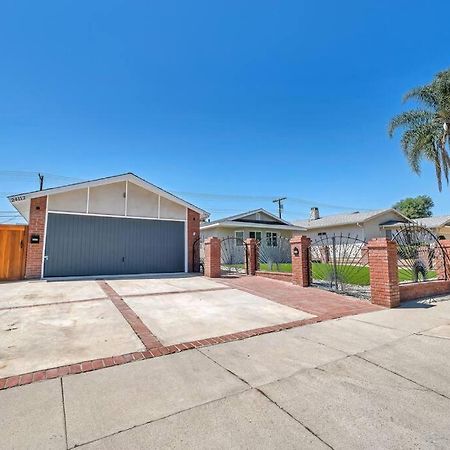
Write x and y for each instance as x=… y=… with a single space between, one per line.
x=323 y=304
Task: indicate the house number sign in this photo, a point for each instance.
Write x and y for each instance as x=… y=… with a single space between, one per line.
x=18 y=198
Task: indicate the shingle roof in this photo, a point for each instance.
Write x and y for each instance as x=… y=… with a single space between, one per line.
x=248 y=213
x=343 y=219
x=434 y=222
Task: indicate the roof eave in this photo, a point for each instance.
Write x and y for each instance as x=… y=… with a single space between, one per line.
x=209 y=226
x=115 y=178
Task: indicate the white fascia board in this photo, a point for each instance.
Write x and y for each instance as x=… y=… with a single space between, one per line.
x=239 y=225
x=22 y=206
x=108 y=180
x=254 y=211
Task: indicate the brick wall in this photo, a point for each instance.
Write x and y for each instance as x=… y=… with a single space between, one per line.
x=36 y=226
x=384 y=282
x=411 y=291
x=281 y=276
x=193 y=231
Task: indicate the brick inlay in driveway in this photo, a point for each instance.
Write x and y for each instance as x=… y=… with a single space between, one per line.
x=325 y=305
x=145 y=335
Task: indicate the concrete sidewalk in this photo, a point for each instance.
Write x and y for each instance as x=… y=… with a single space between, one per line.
x=377 y=380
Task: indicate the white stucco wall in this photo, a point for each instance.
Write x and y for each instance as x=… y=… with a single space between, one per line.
x=108 y=199
x=141 y=203
x=171 y=210
x=222 y=232
x=368 y=230
x=117 y=199
x=72 y=201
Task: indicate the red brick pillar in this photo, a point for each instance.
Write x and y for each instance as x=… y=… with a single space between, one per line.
x=212 y=257
x=383 y=267
x=193 y=233
x=442 y=260
x=301 y=273
x=36 y=235
x=252 y=256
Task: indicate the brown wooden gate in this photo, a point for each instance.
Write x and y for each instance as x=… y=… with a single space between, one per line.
x=13 y=247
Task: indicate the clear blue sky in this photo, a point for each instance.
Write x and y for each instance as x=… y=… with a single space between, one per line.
x=256 y=98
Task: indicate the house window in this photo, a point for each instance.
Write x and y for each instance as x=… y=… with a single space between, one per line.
x=255 y=235
x=271 y=239
x=239 y=235
x=322 y=234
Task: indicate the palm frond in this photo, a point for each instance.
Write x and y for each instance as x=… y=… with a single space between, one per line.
x=424 y=95
x=423 y=134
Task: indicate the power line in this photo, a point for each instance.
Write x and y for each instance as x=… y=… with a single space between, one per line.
x=31 y=176
x=235 y=197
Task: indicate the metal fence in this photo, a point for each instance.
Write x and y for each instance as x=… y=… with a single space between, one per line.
x=340 y=263
x=233 y=256
x=420 y=255
x=274 y=256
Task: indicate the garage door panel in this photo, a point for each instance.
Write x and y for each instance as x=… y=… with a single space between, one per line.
x=155 y=246
x=89 y=245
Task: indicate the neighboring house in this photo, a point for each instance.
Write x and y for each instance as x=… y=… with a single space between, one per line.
x=362 y=225
x=259 y=224
x=438 y=225
x=110 y=226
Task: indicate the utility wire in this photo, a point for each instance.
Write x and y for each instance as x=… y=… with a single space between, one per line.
x=33 y=176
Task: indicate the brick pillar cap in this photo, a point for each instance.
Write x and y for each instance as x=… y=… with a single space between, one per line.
x=380 y=243
x=211 y=239
x=299 y=239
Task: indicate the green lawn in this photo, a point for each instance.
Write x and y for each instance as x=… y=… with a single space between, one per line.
x=282 y=267
x=321 y=271
x=349 y=274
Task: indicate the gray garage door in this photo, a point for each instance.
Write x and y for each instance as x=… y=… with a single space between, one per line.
x=88 y=245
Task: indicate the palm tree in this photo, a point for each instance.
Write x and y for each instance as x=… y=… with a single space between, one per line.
x=426 y=130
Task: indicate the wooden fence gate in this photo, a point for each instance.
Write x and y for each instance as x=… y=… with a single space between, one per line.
x=13 y=248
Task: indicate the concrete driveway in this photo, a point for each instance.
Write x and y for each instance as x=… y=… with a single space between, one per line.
x=378 y=380
x=49 y=329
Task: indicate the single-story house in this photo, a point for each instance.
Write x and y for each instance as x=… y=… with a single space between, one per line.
x=439 y=225
x=258 y=224
x=110 y=226
x=362 y=225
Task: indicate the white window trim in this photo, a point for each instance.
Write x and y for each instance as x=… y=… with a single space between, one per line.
x=254 y=231
x=236 y=237
x=271 y=238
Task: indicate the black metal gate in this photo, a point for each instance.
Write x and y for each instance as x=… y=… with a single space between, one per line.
x=340 y=263
x=233 y=256
x=421 y=256
x=198 y=255
x=274 y=255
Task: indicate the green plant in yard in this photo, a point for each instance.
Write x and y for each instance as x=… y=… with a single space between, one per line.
x=426 y=129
